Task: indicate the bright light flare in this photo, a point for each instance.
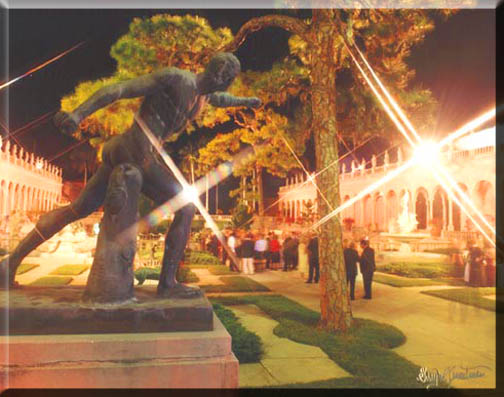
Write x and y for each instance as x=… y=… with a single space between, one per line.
x=386 y=107
x=363 y=193
x=427 y=154
x=185 y=186
x=43 y=65
x=191 y=194
x=456 y=200
x=471 y=125
x=394 y=104
x=463 y=196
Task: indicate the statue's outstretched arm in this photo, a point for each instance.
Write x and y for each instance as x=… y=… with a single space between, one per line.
x=225 y=100
x=140 y=86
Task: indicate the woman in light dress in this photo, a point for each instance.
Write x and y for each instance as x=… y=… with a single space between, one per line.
x=303 y=257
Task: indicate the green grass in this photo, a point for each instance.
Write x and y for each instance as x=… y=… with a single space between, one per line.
x=246 y=345
x=53 y=281
x=25 y=267
x=421 y=270
x=184 y=275
x=403 y=281
x=364 y=351
x=236 y=284
x=201 y=258
x=220 y=270
x=469 y=296
x=70 y=270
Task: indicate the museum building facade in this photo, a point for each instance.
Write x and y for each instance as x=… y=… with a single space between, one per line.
x=469 y=160
x=27 y=183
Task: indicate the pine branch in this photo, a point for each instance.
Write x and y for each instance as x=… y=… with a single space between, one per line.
x=290 y=24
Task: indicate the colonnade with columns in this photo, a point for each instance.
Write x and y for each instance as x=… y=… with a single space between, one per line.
x=27 y=183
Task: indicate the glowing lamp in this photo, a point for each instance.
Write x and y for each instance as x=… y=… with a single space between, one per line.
x=39 y=165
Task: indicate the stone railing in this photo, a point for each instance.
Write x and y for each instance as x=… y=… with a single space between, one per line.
x=357 y=169
x=16 y=156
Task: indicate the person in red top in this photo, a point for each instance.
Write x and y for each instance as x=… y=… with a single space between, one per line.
x=274 y=249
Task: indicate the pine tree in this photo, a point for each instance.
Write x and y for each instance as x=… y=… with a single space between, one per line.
x=386 y=36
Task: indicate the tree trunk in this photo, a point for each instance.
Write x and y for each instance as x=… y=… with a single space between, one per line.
x=217 y=198
x=260 y=192
x=111 y=276
x=206 y=191
x=254 y=184
x=336 y=314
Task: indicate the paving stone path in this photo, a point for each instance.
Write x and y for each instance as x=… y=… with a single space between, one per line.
x=284 y=361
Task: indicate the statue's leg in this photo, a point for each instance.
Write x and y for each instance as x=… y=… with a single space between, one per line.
x=160 y=186
x=53 y=221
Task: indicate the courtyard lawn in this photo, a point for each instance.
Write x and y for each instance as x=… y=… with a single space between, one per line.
x=184 y=275
x=235 y=284
x=52 y=281
x=201 y=258
x=420 y=270
x=364 y=351
x=469 y=296
x=25 y=267
x=246 y=345
x=69 y=270
x=397 y=281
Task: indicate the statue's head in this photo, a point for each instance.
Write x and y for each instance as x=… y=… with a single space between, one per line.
x=220 y=72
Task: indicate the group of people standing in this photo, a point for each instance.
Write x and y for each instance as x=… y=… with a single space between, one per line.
x=366 y=260
x=479 y=270
x=294 y=252
x=302 y=253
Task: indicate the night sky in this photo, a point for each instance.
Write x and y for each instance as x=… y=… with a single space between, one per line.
x=456 y=61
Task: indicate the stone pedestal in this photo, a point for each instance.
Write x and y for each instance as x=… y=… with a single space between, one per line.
x=50 y=311
x=200 y=359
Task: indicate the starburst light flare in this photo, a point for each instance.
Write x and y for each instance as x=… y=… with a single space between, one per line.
x=185 y=185
x=467 y=213
x=380 y=98
x=42 y=65
x=424 y=151
x=363 y=193
x=394 y=104
x=215 y=176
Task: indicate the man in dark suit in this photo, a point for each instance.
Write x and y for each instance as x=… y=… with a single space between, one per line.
x=367 y=267
x=313 y=259
x=351 y=257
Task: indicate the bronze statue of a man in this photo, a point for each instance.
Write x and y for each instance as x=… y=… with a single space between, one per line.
x=172 y=97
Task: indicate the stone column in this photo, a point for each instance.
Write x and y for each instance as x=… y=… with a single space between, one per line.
x=450 y=215
x=362 y=214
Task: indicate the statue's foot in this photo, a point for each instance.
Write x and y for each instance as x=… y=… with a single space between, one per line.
x=6 y=275
x=179 y=291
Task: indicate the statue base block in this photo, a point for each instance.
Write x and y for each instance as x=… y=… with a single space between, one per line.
x=59 y=310
x=146 y=360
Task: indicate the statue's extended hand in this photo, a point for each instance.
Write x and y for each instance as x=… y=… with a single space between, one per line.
x=65 y=122
x=254 y=102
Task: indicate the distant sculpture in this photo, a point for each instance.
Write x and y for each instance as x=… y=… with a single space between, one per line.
x=407 y=221
x=172 y=98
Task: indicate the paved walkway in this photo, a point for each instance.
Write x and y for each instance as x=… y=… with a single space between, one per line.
x=284 y=361
x=440 y=333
